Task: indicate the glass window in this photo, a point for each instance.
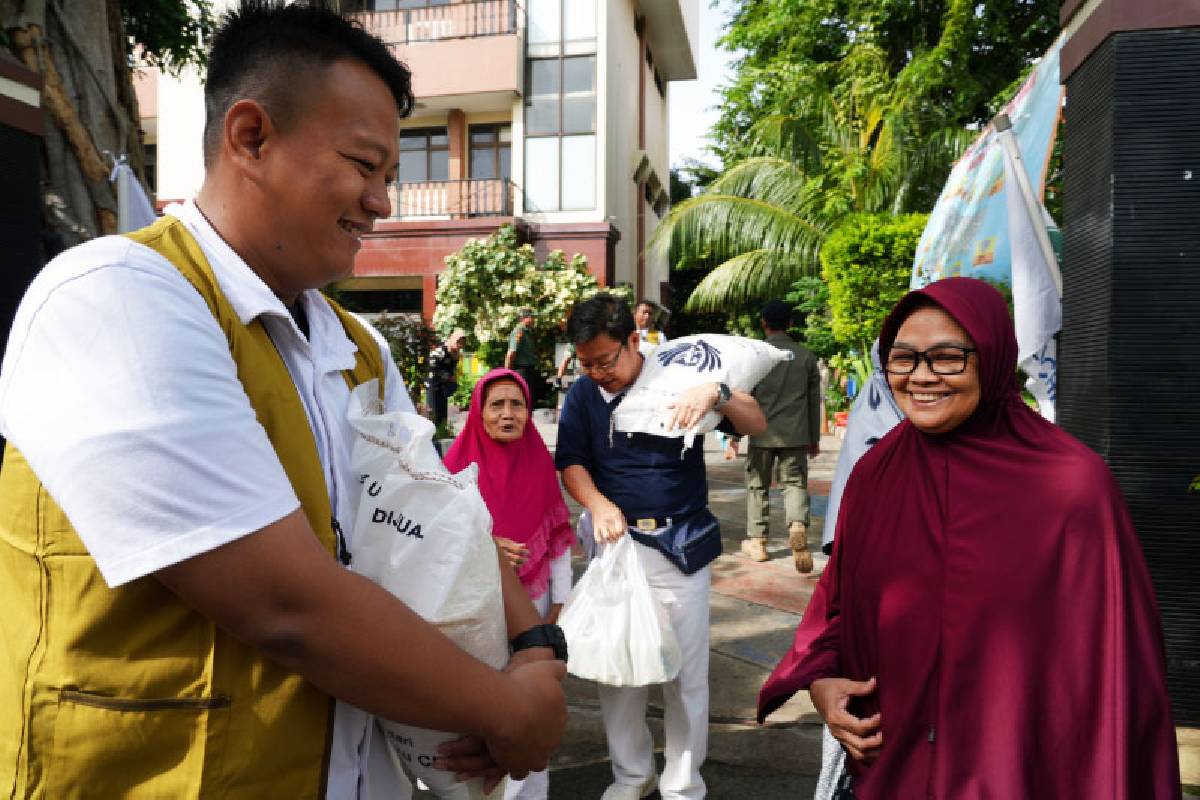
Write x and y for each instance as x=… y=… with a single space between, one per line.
x=541 y=173
x=424 y=155
x=579 y=26
x=578 y=172
x=579 y=95
x=439 y=165
x=542 y=104
x=490 y=151
x=544 y=26
x=560 y=172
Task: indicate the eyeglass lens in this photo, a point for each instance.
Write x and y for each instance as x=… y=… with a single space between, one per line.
x=941 y=360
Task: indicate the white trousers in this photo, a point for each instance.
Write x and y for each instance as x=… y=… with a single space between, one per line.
x=685 y=699
x=536 y=785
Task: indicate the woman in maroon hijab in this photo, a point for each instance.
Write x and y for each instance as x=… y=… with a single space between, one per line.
x=986 y=627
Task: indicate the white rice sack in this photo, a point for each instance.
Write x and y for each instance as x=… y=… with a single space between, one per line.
x=677 y=366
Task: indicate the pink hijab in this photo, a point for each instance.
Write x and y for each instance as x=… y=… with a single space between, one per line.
x=519 y=484
x=991 y=579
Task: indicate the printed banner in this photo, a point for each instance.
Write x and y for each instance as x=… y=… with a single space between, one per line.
x=967 y=233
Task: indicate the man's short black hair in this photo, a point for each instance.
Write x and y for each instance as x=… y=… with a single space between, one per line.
x=273 y=53
x=644 y=302
x=777 y=314
x=602 y=313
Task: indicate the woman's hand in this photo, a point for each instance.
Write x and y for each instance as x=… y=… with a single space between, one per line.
x=516 y=553
x=608 y=523
x=862 y=738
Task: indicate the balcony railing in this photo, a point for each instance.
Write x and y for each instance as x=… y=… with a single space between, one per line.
x=475 y=197
x=432 y=23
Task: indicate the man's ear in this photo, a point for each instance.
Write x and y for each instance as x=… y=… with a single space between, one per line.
x=635 y=341
x=247 y=128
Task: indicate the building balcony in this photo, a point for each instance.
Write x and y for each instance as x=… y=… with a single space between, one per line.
x=461 y=199
x=462 y=55
x=435 y=23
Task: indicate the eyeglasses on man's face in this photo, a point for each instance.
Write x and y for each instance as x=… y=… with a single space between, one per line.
x=942 y=360
x=604 y=365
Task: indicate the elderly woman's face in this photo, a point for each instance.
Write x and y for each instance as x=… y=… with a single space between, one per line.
x=936 y=403
x=504 y=411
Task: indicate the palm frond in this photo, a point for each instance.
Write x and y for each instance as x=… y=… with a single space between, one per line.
x=773 y=180
x=787 y=137
x=756 y=275
x=717 y=227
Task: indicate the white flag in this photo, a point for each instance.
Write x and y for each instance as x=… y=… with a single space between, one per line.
x=133 y=207
x=1037 y=307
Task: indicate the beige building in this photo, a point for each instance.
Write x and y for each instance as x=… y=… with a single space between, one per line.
x=550 y=114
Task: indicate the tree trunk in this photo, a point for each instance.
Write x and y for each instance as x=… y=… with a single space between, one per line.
x=90 y=105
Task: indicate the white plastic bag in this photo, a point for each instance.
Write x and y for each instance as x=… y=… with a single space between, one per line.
x=425 y=536
x=617 y=633
x=736 y=361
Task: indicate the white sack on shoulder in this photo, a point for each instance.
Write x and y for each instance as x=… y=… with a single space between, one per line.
x=736 y=361
x=425 y=536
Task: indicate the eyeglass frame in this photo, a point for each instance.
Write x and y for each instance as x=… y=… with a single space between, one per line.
x=923 y=355
x=606 y=367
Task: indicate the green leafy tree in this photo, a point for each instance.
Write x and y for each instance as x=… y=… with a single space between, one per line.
x=760 y=226
x=488 y=282
x=84 y=51
x=952 y=58
x=867 y=263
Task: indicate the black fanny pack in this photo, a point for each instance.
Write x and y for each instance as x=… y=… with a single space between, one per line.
x=690 y=543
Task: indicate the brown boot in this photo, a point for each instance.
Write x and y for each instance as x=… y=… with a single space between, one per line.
x=798 y=539
x=755 y=549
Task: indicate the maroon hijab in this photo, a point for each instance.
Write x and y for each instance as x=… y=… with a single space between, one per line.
x=991 y=579
x=519 y=485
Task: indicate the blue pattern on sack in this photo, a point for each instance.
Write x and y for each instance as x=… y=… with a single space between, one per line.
x=701 y=356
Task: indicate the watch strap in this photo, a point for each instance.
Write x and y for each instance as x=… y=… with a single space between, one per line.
x=545 y=635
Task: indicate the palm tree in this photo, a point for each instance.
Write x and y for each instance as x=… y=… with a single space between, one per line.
x=763 y=220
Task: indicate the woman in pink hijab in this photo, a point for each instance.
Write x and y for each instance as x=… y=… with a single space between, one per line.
x=986 y=627
x=530 y=521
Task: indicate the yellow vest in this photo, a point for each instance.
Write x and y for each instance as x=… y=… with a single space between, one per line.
x=127 y=692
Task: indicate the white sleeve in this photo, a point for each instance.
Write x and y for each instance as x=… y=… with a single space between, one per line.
x=119 y=389
x=560 y=578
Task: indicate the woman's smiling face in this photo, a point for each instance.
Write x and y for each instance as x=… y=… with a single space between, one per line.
x=935 y=403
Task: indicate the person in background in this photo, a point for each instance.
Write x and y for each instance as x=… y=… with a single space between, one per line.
x=443 y=375
x=790 y=397
x=179 y=615
x=522 y=357
x=641 y=480
x=986 y=626
x=649 y=337
x=531 y=523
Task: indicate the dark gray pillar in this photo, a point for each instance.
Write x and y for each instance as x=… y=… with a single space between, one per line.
x=1129 y=355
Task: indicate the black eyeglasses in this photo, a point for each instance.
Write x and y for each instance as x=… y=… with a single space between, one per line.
x=946 y=359
x=606 y=366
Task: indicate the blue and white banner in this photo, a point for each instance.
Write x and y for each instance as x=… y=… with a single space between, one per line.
x=989 y=223
x=967 y=232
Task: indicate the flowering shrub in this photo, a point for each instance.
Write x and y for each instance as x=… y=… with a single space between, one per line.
x=488 y=282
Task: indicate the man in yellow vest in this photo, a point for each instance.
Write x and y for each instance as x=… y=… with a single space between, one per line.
x=175 y=495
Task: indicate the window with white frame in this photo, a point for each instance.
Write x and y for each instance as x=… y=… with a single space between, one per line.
x=560 y=105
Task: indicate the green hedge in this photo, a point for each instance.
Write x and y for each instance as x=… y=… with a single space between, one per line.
x=867 y=263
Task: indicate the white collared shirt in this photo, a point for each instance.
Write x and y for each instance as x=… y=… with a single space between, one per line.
x=118 y=387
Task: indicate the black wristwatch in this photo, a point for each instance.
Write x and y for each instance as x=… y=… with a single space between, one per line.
x=723 y=394
x=542 y=636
